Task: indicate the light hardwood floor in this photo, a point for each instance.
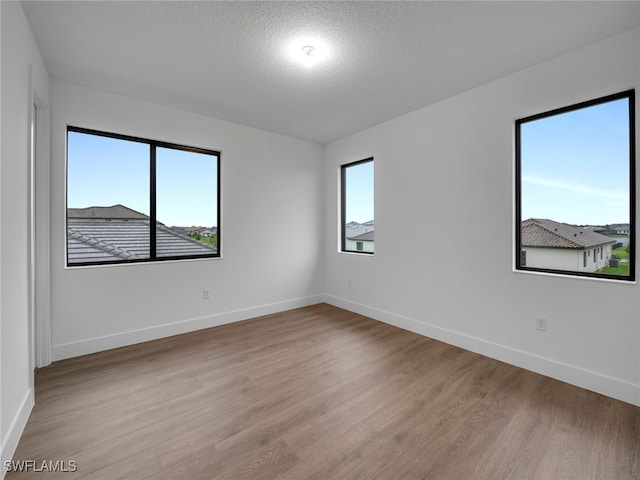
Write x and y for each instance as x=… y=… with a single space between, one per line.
x=319 y=393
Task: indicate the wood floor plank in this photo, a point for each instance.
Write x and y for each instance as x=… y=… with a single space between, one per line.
x=319 y=393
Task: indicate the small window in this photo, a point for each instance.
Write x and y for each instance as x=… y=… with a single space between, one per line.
x=135 y=200
x=358 y=227
x=575 y=189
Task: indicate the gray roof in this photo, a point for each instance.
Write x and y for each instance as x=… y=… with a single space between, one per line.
x=363 y=237
x=113 y=212
x=122 y=234
x=353 y=229
x=537 y=232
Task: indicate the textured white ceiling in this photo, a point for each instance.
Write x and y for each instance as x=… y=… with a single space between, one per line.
x=231 y=60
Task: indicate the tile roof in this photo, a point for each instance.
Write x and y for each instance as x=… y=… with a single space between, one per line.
x=353 y=229
x=122 y=234
x=98 y=240
x=537 y=232
x=113 y=212
x=364 y=236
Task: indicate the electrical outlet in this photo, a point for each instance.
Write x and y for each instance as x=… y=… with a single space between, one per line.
x=541 y=324
x=206 y=294
x=349 y=283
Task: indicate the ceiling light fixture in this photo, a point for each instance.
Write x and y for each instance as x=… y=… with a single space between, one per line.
x=308 y=56
x=308 y=51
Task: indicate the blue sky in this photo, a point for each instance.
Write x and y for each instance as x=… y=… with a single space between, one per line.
x=359 y=194
x=575 y=169
x=575 y=166
x=103 y=171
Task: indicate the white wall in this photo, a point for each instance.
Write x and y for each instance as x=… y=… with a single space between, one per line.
x=367 y=246
x=21 y=67
x=449 y=168
x=272 y=245
x=567 y=258
x=555 y=258
x=444 y=168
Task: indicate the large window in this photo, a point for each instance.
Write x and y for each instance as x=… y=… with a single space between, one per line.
x=357 y=207
x=136 y=200
x=575 y=189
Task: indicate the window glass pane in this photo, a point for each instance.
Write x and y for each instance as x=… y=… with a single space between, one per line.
x=575 y=190
x=186 y=203
x=357 y=206
x=107 y=199
x=118 y=186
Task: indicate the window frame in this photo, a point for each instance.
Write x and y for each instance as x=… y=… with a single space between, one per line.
x=153 y=145
x=343 y=204
x=630 y=96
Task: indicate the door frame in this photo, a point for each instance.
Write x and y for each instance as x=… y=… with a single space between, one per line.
x=38 y=228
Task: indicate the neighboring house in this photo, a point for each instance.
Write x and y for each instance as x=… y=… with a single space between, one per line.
x=100 y=234
x=621 y=228
x=361 y=243
x=114 y=212
x=559 y=246
x=356 y=239
x=353 y=229
x=204 y=231
x=613 y=229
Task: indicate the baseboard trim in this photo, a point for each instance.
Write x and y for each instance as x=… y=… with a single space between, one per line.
x=98 y=344
x=596 y=382
x=10 y=443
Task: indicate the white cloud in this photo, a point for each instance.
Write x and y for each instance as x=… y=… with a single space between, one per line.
x=610 y=197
